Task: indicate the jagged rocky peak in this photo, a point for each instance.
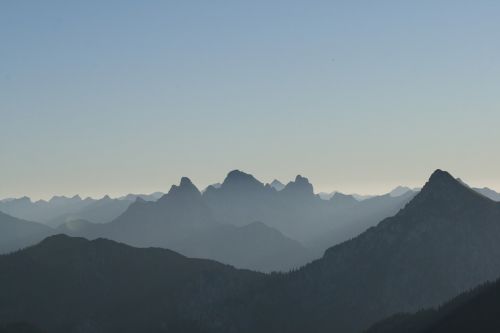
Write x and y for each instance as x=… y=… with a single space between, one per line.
x=185 y=189
x=299 y=185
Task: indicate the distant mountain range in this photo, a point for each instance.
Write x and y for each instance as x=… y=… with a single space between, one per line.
x=442 y=243
x=241 y=213
x=62 y=209
x=241 y=222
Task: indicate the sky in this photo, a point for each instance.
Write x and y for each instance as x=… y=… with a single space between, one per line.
x=113 y=97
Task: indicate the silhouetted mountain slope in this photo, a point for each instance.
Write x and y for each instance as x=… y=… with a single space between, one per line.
x=16 y=233
x=69 y=285
x=477 y=310
x=254 y=246
x=165 y=222
x=351 y=217
x=19 y=327
x=445 y=241
x=488 y=193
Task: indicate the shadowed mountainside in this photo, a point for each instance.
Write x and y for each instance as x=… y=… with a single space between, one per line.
x=69 y=284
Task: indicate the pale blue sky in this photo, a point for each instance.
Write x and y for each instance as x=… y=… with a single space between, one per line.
x=113 y=97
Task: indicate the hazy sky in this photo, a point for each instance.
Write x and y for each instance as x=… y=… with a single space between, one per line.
x=128 y=96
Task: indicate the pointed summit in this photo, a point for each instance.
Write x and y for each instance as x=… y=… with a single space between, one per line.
x=442 y=181
x=185 y=190
x=443 y=192
x=300 y=186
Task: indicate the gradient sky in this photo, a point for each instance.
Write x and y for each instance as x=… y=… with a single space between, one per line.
x=110 y=97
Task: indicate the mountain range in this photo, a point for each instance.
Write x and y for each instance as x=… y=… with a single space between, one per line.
x=442 y=243
x=60 y=209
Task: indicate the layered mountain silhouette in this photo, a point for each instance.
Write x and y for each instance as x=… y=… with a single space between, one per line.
x=182 y=221
x=60 y=209
x=43 y=211
x=444 y=242
x=242 y=222
x=296 y=211
x=98 y=211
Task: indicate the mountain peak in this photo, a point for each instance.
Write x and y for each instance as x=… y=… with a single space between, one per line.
x=185 y=189
x=186 y=182
x=300 y=185
x=442 y=181
x=237 y=175
x=443 y=190
x=237 y=178
x=441 y=175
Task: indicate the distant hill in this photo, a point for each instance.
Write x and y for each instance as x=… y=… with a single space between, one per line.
x=60 y=209
x=254 y=246
x=487 y=192
x=16 y=233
